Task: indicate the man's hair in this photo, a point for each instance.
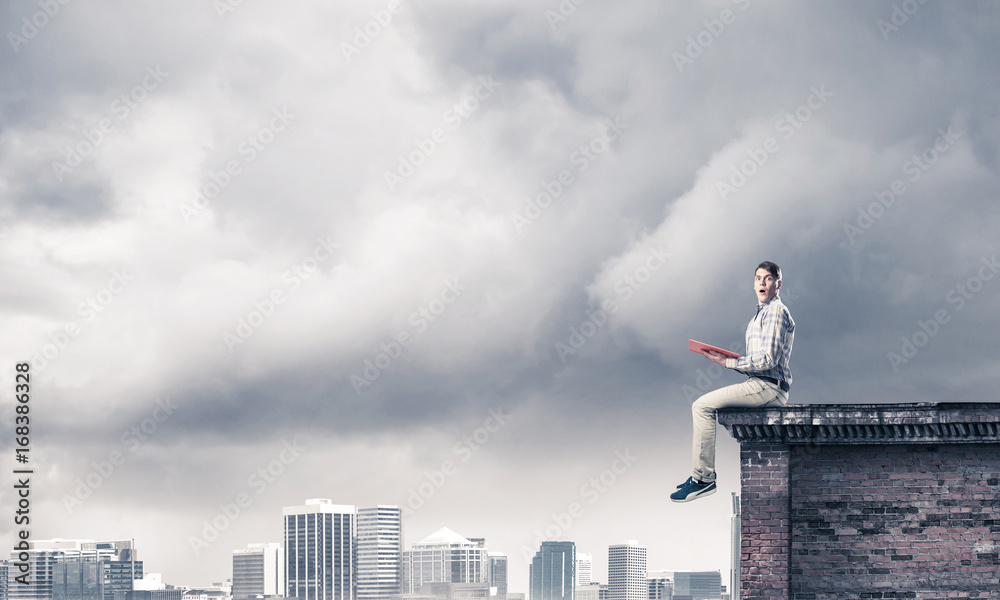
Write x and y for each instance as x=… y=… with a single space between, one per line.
x=771 y=268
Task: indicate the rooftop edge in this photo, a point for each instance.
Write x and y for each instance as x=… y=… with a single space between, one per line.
x=904 y=423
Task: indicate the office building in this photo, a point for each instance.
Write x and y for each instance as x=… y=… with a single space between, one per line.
x=627 y=572
x=552 y=575
x=258 y=570
x=497 y=574
x=661 y=585
x=319 y=550
x=151 y=587
x=697 y=585
x=444 y=557
x=379 y=552
x=41 y=558
x=442 y=590
x=172 y=594
x=74 y=570
x=584 y=569
x=588 y=592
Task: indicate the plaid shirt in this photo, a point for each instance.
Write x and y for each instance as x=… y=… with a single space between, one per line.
x=769 y=343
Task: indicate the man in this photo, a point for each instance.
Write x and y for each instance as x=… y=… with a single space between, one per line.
x=769 y=345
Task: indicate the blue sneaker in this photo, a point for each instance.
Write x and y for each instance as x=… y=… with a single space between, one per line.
x=692 y=490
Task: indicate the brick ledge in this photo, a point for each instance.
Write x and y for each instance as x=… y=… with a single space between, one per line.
x=912 y=423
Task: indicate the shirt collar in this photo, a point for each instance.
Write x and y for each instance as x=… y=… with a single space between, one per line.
x=760 y=306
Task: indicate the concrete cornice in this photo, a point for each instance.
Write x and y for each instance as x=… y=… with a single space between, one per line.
x=932 y=422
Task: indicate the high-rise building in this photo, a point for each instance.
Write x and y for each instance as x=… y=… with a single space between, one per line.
x=497 y=574
x=661 y=585
x=319 y=550
x=3 y=579
x=380 y=552
x=697 y=585
x=584 y=569
x=627 y=572
x=552 y=575
x=36 y=565
x=258 y=570
x=444 y=556
x=74 y=570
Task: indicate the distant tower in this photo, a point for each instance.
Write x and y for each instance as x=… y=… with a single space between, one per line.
x=584 y=569
x=552 y=575
x=661 y=585
x=3 y=579
x=627 y=572
x=258 y=570
x=319 y=550
x=380 y=552
x=734 y=574
x=698 y=585
x=497 y=574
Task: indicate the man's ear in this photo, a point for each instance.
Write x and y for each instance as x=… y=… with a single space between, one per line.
x=778 y=287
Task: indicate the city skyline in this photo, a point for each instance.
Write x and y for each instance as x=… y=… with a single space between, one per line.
x=447 y=256
x=630 y=562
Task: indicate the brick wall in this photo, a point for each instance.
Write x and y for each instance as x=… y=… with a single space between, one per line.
x=895 y=522
x=764 y=503
x=869 y=501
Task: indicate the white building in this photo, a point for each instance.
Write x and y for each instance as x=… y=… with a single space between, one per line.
x=379 y=552
x=319 y=550
x=444 y=556
x=627 y=572
x=258 y=570
x=584 y=569
x=150 y=582
x=588 y=592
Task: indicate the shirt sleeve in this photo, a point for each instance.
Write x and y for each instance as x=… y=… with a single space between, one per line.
x=768 y=348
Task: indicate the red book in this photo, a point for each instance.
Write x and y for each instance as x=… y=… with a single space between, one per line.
x=694 y=346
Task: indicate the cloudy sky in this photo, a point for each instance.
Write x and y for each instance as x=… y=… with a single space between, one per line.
x=447 y=255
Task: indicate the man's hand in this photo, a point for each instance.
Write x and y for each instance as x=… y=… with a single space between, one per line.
x=716 y=357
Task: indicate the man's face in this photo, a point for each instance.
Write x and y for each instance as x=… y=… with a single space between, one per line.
x=765 y=286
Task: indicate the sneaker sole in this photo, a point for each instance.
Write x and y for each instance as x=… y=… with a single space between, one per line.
x=695 y=496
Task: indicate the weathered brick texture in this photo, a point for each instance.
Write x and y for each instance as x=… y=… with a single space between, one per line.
x=764 y=502
x=867 y=507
